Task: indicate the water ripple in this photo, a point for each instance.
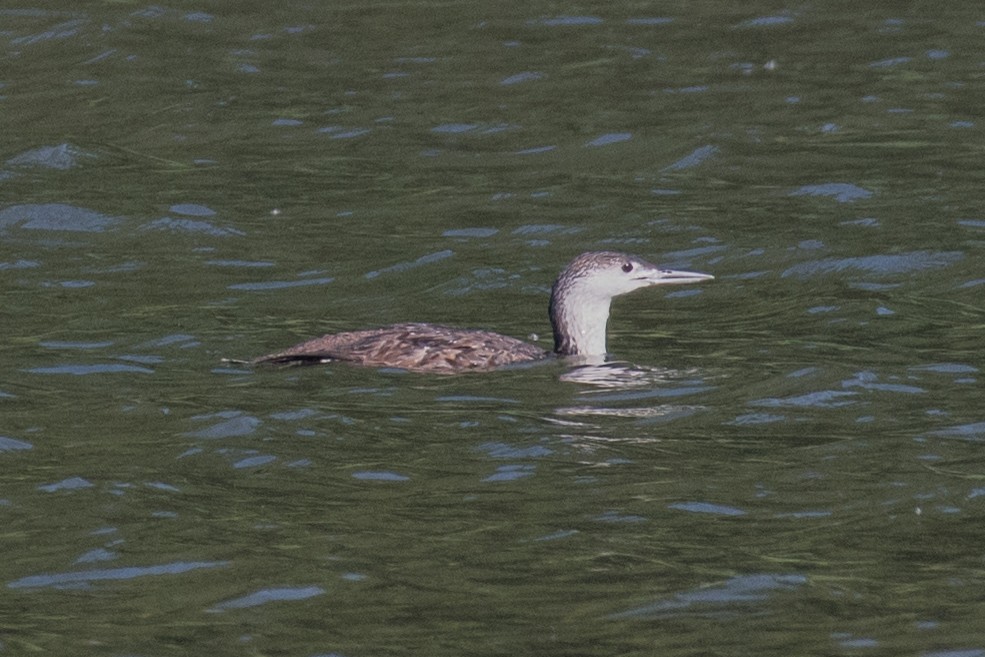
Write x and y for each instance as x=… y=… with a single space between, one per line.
x=191 y=226
x=878 y=264
x=61 y=157
x=13 y=445
x=693 y=159
x=56 y=217
x=742 y=589
x=404 y=266
x=265 y=596
x=567 y=21
x=133 y=572
x=841 y=192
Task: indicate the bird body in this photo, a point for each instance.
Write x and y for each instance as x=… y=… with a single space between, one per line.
x=579 y=311
x=419 y=347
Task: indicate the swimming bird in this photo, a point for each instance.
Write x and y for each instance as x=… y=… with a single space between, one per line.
x=579 y=311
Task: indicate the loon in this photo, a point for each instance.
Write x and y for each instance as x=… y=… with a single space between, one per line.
x=579 y=311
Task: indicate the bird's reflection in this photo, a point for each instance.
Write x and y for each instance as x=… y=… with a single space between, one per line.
x=608 y=383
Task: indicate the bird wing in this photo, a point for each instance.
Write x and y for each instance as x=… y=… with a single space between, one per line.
x=415 y=347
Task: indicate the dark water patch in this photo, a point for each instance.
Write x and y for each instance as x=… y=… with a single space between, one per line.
x=169 y=340
x=416 y=60
x=547 y=229
x=86 y=370
x=35 y=13
x=84 y=577
x=266 y=596
x=56 y=217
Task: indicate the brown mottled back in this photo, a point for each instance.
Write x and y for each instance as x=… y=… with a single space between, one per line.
x=415 y=347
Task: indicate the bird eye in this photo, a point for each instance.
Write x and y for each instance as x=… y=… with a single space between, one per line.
x=627 y=267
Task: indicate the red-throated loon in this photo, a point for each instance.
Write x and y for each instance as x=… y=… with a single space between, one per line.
x=579 y=310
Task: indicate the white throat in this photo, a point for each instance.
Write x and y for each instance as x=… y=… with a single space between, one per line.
x=579 y=322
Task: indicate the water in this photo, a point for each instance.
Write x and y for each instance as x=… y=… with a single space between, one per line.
x=785 y=461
